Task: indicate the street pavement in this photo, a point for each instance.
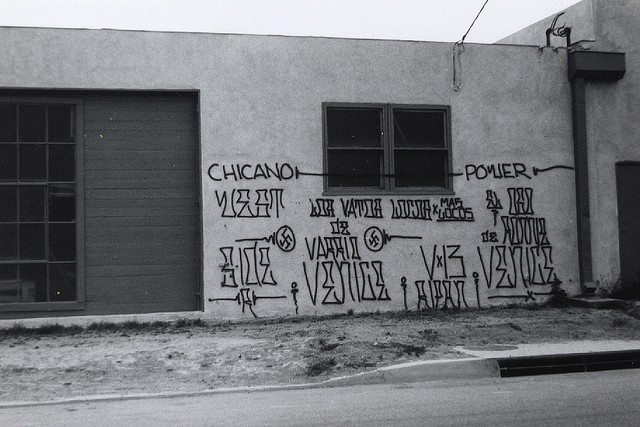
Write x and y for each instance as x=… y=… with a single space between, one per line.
x=585 y=399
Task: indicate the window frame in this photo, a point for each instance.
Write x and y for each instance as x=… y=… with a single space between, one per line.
x=79 y=303
x=388 y=186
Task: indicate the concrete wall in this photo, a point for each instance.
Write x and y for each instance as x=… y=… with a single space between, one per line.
x=613 y=130
x=612 y=115
x=580 y=17
x=261 y=100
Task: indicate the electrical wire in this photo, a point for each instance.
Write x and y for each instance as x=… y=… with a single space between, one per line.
x=474 y=21
x=458 y=48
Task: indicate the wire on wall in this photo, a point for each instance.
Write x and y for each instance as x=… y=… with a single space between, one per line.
x=458 y=48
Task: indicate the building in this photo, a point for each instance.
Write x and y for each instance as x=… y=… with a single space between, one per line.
x=264 y=176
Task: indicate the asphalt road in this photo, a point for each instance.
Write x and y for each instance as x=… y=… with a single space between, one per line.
x=601 y=398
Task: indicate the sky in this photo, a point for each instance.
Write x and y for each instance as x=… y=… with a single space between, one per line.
x=433 y=20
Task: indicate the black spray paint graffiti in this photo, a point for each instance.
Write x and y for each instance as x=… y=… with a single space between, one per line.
x=503 y=171
x=446 y=279
x=350 y=208
x=375 y=238
x=446 y=209
x=253 y=269
x=294 y=294
x=238 y=172
x=239 y=203
x=494 y=205
x=337 y=272
x=524 y=257
x=284 y=238
x=247 y=299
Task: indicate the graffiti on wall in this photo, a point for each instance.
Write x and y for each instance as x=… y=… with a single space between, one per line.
x=506 y=255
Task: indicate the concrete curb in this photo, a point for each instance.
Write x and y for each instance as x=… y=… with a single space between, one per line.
x=478 y=367
x=425 y=370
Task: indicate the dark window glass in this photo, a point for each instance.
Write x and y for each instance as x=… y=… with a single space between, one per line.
x=9 y=239
x=9 y=283
x=8 y=114
x=33 y=282
x=33 y=162
x=32 y=241
x=354 y=127
x=62 y=282
x=32 y=123
x=38 y=220
x=355 y=168
x=62 y=202
x=417 y=150
x=413 y=128
x=32 y=203
x=8 y=162
x=415 y=168
x=8 y=204
x=62 y=242
x=62 y=160
x=61 y=123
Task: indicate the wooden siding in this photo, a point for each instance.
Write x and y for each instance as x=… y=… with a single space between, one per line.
x=142 y=210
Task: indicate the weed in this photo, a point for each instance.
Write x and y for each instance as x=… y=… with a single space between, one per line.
x=515 y=326
x=53 y=329
x=619 y=321
x=320 y=366
x=559 y=297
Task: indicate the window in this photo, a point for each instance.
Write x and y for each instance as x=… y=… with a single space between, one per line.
x=38 y=233
x=386 y=148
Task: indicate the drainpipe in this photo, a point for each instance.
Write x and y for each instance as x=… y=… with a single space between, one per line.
x=587 y=66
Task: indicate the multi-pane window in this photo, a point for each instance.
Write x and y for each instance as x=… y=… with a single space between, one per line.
x=386 y=148
x=37 y=203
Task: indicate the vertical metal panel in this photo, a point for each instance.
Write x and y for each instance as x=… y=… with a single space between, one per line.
x=628 y=182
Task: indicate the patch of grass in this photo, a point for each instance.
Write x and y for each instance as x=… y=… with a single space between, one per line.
x=186 y=323
x=320 y=366
x=53 y=329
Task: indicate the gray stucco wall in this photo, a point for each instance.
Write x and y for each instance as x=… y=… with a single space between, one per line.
x=260 y=103
x=612 y=115
x=580 y=17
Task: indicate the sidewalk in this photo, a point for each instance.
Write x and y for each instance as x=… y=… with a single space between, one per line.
x=135 y=360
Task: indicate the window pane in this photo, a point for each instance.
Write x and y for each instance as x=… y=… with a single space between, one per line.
x=414 y=128
x=33 y=162
x=33 y=123
x=32 y=203
x=33 y=282
x=62 y=161
x=62 y=202
x=9 y=283
x=62 y=285
x=31 y=241
x=351 y=127
x=61 y=123
x=8 y=162
x=8 y=206
x=360 y=168
x=414 y=168
x=8 y=241
x=8 y=114
x=62 y=242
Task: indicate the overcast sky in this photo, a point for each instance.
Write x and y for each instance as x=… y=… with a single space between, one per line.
x=435 y=20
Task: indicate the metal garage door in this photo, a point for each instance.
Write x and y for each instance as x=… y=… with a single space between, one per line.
x=142 y=210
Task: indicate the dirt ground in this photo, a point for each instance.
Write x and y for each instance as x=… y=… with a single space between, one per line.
x=194 y=355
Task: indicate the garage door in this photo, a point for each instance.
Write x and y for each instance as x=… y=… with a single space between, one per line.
x=142 y=210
